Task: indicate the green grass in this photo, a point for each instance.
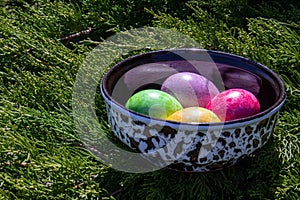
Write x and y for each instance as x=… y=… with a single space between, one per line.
x=41 y=156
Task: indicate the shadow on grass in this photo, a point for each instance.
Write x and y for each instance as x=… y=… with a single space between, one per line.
x=254 y=177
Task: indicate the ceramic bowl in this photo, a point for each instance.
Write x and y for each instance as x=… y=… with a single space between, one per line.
x=192 y=147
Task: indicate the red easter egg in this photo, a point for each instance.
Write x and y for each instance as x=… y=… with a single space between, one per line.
x=234 y=104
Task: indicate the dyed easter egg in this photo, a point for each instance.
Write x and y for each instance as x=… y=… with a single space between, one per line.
x=194 y=115
x=190 y=89
x=154 y=103
x=234 y=104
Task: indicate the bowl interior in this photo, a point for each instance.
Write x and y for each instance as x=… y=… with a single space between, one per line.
x=149 y=70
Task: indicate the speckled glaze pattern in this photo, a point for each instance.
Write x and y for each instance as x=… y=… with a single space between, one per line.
x=192 y=150
x=187 y=147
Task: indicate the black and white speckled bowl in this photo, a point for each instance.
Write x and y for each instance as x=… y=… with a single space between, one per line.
x=192 y=147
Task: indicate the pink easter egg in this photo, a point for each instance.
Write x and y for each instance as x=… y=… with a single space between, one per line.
x=234 y=104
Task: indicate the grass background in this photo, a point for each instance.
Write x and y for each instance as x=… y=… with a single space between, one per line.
x=41 y=156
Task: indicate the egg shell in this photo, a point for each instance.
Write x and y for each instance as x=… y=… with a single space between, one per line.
x=194 y=115
x=154 y=103
x=234 y=104
x=190 y=89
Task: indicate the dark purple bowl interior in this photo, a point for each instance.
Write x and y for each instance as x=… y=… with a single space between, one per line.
x=149 y=70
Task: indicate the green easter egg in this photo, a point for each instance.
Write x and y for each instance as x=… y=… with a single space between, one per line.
x=154 y=103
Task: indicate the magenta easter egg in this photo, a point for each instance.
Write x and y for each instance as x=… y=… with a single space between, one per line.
x=190 y=89
x=234 y=104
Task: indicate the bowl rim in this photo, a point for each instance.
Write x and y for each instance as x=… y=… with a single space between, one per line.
x=246 y=120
